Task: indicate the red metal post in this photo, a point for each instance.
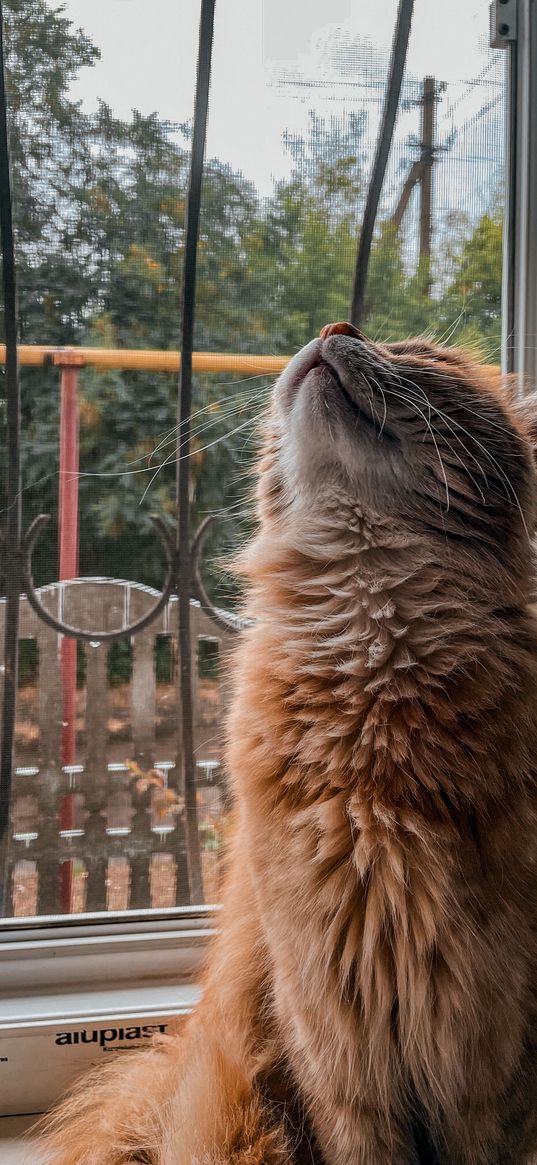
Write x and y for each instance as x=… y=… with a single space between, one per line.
x=68 y=568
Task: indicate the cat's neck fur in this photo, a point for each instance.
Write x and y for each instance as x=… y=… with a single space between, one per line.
x=399 y=675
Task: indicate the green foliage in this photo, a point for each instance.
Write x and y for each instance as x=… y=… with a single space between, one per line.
x=474 y=293
x=50 y=162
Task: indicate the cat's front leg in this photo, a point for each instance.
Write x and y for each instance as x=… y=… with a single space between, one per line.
x=361 y=1133
x=355 y=1120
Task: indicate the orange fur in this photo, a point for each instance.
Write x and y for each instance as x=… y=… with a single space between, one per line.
x=372 y=997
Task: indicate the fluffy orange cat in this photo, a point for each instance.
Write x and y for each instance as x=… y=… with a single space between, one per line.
x=372 y=997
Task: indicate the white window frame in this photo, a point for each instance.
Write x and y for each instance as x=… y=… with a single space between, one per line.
x=71 y=951
x=519 y=306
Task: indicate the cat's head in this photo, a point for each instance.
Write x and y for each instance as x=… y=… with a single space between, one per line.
x=415 y=439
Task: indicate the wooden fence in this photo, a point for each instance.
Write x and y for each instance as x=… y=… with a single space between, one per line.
x=108 y=831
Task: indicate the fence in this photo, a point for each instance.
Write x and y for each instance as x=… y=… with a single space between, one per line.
x=125 y=846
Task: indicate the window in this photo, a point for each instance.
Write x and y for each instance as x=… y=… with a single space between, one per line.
x=107 y=848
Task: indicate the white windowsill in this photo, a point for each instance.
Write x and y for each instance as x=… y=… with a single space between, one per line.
x=47 y=1040
x=72 y=991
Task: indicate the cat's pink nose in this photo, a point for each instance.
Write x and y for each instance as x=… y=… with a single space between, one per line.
x=342 y=328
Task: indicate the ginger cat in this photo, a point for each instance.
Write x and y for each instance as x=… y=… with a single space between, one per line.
x=372 y=997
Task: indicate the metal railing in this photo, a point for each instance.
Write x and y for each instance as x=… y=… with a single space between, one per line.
x=145 y=359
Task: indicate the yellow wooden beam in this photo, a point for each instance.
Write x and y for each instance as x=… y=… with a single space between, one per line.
x=147 y=360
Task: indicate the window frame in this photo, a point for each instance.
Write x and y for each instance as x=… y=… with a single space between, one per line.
x=519 y=290
x=74 y=951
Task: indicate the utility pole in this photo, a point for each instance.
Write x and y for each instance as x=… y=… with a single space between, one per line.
x=421 y=173
x=427 y=159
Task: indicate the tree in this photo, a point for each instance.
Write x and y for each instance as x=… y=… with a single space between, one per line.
x=50 y=156
x=310 y=229
x=472 y=302
x=49 y=139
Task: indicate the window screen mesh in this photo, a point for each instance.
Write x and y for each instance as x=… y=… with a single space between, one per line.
x=100 y=195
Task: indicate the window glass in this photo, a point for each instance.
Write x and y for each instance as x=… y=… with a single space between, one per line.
x=101 y=101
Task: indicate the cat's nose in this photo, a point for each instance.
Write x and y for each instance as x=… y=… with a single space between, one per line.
x=341 y=329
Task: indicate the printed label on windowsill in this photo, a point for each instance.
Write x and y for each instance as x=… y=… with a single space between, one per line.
x=37 y=1064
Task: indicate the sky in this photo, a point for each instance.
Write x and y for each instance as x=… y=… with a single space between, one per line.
x=148 y=55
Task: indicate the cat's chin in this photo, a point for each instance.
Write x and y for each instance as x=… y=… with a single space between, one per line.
x=294 y=374
x=340 y=404
x=328 y=373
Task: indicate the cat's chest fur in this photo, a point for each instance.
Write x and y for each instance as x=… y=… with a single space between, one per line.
x=378 y=944
x=368 y=889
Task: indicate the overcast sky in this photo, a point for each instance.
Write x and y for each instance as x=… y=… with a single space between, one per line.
x=149 y=50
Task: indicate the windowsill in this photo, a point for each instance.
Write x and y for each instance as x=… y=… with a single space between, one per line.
x=48 y=1040
x=71 y=993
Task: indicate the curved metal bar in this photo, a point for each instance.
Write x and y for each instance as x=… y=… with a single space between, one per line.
x=222 y=620
x=389 y=114
x=28 y=543
x=186 y=766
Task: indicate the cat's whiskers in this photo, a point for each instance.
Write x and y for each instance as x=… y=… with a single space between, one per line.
x=443 y=416
x=510 y=490
x=196 y=432
x=174 y=457
x=430 y=429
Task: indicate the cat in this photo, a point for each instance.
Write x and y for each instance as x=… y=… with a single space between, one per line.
x=372 y=996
